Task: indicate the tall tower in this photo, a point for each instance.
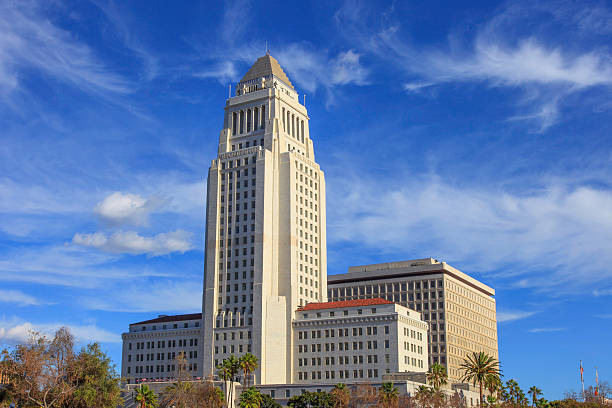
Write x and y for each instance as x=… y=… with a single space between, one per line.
x=265 y=226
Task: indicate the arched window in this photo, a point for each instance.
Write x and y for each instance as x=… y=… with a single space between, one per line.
x=248 y=127
x=241 y=122
x=302 y=131
x=256 y=119
x=233 y=124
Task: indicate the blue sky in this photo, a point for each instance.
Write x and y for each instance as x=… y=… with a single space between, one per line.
x=477 y=135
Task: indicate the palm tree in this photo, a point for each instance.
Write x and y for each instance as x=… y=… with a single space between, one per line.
x=145 y=397
x=476 y=367
x=424 y=395
x=493 y=384
x=388 y=395
x=341 y=396
x=248 y=363
x=250 y=398
x=534 y=392
x=437 y=376
x=513 y=390
x=227 y=371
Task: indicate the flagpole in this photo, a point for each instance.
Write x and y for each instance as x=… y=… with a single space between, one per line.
x=582 y=379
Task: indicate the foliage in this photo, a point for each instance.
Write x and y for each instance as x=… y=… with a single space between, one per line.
x=181 y=394
x=477 y=367
x=534 y=392
x=268 y=402
x=437 y=376
x=39 y=369
x=341 y=396
x=248 y=363
x=96 y=384
x=145 y=397
x=311 y=400
x=227 y=370
x=362 y=395
x=250 y=398
x=388 y=395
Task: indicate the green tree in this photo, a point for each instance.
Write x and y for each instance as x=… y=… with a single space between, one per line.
x=534 y=392
x=268 y=402
x=145 y=397
x=477 y=367
x=311 y=400
x=95 y=382
x=437 y=376
x=248 y=363
x=388 y=395
x=493 y=384
x=341 y=396
x=227 y=370
x=250 y=398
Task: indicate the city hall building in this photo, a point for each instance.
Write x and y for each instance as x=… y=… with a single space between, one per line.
x=265 y=272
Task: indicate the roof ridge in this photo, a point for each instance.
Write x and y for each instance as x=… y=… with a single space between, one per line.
x=345 y=303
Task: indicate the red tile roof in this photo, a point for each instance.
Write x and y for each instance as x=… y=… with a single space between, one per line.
x=345 y=303
x=174 y=318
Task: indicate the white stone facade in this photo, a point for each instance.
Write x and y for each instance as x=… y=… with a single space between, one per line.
x=356 y=341
x=460 y=311
x=265 y=226
x=151 y=348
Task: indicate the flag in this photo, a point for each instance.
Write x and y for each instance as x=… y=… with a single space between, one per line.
x=596 y=383
x=581 y=372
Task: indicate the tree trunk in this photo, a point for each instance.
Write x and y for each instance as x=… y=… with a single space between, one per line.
x=480 y=402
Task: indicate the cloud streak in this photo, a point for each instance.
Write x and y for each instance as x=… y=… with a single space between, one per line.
x=30 y=40
x=15 y=331
x=17 y=297
x=540 y=238
x=131 y=242
x=547 y=74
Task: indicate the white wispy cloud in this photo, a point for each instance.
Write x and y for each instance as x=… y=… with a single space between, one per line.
x=547 y=329
x=542 y=235
x=132 y=243
x=160 y=296
x=548 y=74
x=509 y=316
x=29 y=39
x=119 y=208
x=17 y=297
x=309 y=67
x=17 y=331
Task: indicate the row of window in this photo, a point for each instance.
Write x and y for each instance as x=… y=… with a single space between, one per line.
x=167 y=326
x=342 y=374
x=389 y=287
x=232 y=349
x=342 y=346
x=345 y=332
x=162 y=356
x=160 y=368
x=239 y=162
x=342 y=360
x=345 y=313
x=162 y=343
x=226 y=322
